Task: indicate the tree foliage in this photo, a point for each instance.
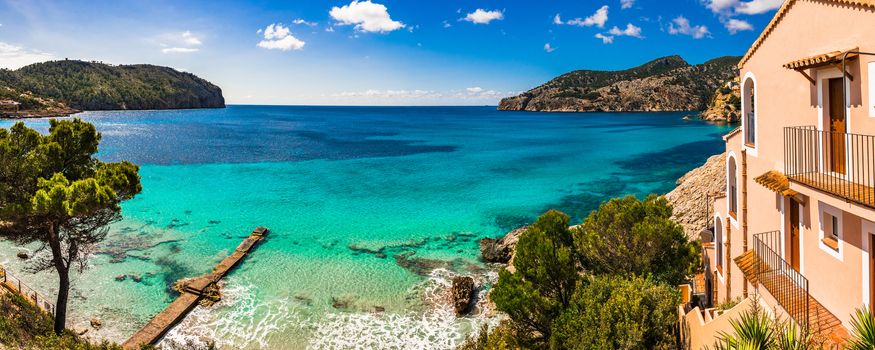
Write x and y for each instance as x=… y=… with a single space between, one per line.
x=613 y=312
x=545 y=278
x=53 y=190
x=630 y=237
x=606 y=284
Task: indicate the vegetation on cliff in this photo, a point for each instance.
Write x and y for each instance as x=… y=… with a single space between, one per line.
x=664 y=84
x=24 y=326
x=590 y=286
x=98 y=86
x=725 y=105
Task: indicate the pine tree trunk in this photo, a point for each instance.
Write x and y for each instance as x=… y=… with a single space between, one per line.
x=63 y=278
x=61 y=304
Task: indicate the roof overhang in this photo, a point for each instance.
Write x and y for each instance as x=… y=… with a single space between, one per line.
x=777 y=182
x=829 y=59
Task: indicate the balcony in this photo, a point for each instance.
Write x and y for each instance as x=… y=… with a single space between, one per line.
x=764 y=266
x=841 y=164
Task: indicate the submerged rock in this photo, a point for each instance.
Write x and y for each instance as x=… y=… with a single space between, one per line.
x=22 y=255
x=96 y=323
x=461 y=294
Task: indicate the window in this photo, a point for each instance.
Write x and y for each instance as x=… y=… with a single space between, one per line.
x=748 y=109
x=732 y=184
x=718 y=243
x=831 y=227
x=872 y=89
x=831 y=236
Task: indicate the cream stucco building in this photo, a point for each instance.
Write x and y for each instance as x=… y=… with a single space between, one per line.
x=796 y=225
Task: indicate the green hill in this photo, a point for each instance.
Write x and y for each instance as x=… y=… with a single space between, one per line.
x=98 y=86
x=664 y=84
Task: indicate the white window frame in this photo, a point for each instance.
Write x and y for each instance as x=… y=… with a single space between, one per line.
x=839 y=215
x=785 y=207
x=867 y=227
x=756 y=114
x=872 y=89
x=733 y=220
x=720 y=262
x=823 y=77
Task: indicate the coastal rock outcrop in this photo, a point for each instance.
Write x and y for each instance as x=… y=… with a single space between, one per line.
x=500 y=250
x=461 y=294
x=664 y=84
x=690 y=198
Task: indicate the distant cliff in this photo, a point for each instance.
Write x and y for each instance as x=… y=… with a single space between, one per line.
x=664 y=84
x=97 y=86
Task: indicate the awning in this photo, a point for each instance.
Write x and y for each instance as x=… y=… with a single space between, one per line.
x=824 y=59
x=777 y=182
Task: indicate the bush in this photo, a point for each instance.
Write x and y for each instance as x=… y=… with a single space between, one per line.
x=629 y=237
x=613 y=312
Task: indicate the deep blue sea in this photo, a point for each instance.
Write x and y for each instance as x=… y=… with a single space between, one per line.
x=371 y=211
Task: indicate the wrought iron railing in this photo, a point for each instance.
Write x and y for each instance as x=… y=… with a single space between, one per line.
x=784 y=283
x=842 y=164
x=15 y=285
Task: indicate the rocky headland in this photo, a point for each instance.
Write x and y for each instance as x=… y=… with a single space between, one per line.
x=664 y=84
x=59 y=88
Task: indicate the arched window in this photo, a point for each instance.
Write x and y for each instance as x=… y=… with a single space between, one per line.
x=748 y=110
x=732 y=187
x=718 y=243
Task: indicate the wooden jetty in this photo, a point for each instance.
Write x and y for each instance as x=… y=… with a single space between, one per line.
x=191 y=294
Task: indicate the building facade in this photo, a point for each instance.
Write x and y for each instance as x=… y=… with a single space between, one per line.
x=797 y=223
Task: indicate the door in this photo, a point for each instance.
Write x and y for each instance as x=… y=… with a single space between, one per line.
x=793 y=250
x=872 y=271
x=836 y=137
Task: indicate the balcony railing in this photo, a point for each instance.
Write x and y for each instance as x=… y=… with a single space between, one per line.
x=785 y=284
x=842 y=164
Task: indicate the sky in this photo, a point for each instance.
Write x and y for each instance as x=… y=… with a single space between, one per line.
x=378 y=52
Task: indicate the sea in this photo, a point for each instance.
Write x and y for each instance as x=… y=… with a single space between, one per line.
x=371 y=210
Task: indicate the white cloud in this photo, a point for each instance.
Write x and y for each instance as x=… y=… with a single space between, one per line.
x=481 y=16
x=597 y=19
x=185 y=42
x=179 y=50
x=300 y=21
x=681 y=25
x=549 y=48
x=329 y=29
x=737 y=25
x=631 y=30
x=557 y=19
x=471 y=95
x=606 y=39
x=189 y=39
x=14 y=57
x=366 y=16
x=447 y=24
x=279 y=37
x=753 y=7
x=756 y=7
x=627 y=4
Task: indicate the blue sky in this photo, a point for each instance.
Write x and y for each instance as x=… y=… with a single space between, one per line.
x=378 y=52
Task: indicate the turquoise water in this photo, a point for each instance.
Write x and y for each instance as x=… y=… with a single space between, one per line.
x=371 y=210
